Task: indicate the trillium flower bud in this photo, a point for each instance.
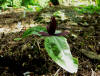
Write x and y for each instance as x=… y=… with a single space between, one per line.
x=51 y=29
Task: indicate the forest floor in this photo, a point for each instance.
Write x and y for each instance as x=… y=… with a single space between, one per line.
x=28 y=55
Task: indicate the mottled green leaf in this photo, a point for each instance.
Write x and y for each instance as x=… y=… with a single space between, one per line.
x=59 y=50
x=34 y=30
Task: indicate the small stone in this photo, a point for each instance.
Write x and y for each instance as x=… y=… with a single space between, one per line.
x=72 y=23
x=85 y=24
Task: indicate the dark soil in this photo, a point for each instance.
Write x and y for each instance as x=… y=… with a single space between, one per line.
x=29 y=55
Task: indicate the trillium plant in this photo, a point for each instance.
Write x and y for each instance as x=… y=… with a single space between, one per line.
x=56 y=45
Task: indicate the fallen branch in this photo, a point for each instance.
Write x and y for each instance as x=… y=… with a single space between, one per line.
x=90 y=54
